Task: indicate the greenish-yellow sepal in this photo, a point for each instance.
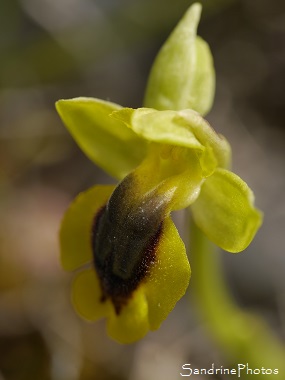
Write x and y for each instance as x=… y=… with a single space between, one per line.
x=225 y=211
x=185 y=128
x=207 y=136
x=105 y=140
x=159 y=126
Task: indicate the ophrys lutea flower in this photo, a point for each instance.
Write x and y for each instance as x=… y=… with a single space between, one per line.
x=165 y=160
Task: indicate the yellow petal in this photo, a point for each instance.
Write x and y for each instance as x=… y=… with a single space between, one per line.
x=86 y=296
x=131 y=323
x=169 y=277
x=75 y=232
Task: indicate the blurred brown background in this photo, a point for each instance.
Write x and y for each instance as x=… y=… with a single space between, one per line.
x=52 y=49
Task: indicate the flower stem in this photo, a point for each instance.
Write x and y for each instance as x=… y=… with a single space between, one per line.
x=242 y=336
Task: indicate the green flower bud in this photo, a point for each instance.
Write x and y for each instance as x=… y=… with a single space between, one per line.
x=182 y=75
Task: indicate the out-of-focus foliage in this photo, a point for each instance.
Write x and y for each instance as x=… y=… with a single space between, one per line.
x=52 y=49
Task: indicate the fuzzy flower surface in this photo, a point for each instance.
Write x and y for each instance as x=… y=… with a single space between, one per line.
x=166 y=157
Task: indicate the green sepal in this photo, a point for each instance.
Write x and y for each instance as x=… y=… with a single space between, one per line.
x=224 y=211
x=182 y=75
x=207 y=136
x=158 y=126
x=103 y=139
x=184 y=128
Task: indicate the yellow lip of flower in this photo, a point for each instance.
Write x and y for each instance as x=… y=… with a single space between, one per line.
x=131 y=308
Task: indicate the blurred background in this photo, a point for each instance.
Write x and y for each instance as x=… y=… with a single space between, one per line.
x=52 y=49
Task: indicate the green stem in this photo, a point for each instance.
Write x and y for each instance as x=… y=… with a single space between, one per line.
x=242 y=336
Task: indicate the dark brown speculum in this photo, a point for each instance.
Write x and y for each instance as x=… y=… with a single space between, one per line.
x=125 y=238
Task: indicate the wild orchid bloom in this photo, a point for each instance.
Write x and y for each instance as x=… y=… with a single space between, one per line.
x=166 y=158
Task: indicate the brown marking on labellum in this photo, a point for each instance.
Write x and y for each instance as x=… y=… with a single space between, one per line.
x=125 y=238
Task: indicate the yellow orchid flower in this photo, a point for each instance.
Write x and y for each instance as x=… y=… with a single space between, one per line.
x=166 y=158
